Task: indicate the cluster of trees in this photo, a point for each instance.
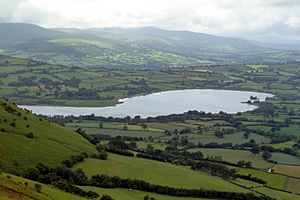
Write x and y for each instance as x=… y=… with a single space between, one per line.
x=243 y=163
x=67 y=187
x=117 y=182
x=214 y=169
x=118 y=145
x=291 y=151
x=82 y=94
x=61 y=177
x=141 y=90
x=74 y=159
x=221 y=132
x=93 y=140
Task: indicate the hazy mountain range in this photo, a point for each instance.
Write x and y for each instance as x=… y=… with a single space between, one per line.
x=136 y=47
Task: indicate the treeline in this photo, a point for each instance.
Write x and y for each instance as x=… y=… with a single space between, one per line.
x=190 y=115
x=292 y=151
x=215 y=169
x=117 y=182
x=74 y=159
x=249 y=177
x=67 y=187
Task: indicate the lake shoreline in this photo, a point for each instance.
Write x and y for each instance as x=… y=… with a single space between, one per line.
x=163 y=103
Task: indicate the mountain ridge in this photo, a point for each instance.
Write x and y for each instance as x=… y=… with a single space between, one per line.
x=133 y=47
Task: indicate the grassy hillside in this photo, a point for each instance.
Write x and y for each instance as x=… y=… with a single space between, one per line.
x=14 y=187
x=50 y=143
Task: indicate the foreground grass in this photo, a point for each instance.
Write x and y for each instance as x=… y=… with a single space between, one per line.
x=14 y=188
x=155 y=172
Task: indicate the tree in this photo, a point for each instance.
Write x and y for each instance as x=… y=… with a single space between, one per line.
x=144 y=126
x=255 y=149
x=246 y=134
x=132 y=145
x=252 y=142
x=266 y=155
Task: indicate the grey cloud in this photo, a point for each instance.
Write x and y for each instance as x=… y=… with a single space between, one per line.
x=242 y=18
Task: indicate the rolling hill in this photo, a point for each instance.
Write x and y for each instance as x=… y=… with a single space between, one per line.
x=132 y=47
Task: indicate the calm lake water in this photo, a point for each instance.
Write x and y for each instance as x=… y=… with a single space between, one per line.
x=164 y=103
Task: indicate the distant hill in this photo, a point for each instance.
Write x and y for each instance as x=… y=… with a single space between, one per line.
x=49 y=143
x=133 y=47
x=23 y=32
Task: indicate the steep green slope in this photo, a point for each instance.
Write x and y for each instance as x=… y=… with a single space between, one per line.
x=14 y=187
x=49 y=145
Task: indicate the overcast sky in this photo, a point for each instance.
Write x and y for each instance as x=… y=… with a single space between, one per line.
x=269 y=19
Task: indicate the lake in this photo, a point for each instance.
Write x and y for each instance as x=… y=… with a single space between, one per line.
x=164 y=103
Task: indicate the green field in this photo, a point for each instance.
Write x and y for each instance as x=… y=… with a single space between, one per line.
x=278 y=195
x=236 y=138
x=276 y=181
x=116 y=132
x=155 y=172
x=273 y=180
x=283 y=158
x=290 y=170
x=143 y=145
x=234 y=156
x=288 y=144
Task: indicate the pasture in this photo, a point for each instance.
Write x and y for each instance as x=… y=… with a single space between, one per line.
x=155 y=172
x=234 y=156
